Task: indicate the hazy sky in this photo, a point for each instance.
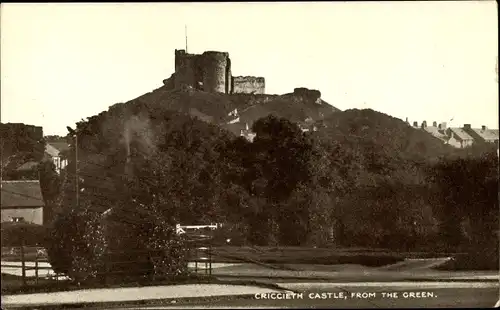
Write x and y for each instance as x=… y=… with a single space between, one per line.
x=422 y=60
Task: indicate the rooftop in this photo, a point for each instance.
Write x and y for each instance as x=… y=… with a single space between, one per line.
x=28 y=166
x=60 y=146
x=460 y=133
x=24 y=193
x=436 y=132
x=486 y=134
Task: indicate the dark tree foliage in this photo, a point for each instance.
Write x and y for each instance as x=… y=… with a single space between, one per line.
x=139 y=164
x=50 y=184
x=21 y=138
x=466 y=190
x=361 y=179
x=76 y=244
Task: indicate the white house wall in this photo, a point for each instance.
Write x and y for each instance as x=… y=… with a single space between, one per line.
x=31 y=215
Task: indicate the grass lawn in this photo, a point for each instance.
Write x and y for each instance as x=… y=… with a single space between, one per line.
x=303 y=255
x=12 y=284
x=472 y=261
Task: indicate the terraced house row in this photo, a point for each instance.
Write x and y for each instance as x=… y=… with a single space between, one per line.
x=460 y=137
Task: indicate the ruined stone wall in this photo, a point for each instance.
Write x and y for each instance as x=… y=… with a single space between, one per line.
x=310 y=94
x=185 y=69
x=248 y=85
x=214 y=71
x=211 y=72
x=229 y=77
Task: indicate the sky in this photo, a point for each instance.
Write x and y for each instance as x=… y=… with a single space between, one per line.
x=432 y=61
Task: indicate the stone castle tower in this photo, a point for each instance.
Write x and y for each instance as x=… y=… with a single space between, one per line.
x=211 y=72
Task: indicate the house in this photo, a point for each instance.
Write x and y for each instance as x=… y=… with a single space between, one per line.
x=437 y=131
x=57 y=152
x=22 y=201
x=459 y=138
x=27 y=171
x=483 y=134
x=247 y=133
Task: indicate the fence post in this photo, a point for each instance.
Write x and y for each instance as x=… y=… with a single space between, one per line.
x=106 y=269
x=195 y=259
x=23 y=263
x=210 y=256
x=36 y=268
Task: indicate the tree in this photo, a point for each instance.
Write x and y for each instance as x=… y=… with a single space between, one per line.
x=50 y=185
x=276 y=164
x=467 y=188
x=149 y=169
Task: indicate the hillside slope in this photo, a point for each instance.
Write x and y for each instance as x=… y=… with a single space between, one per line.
x=369 y=129
x=365 y=131
x=233 y=112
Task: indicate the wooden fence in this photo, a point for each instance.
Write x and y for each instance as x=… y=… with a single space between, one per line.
x=18 y=258
x=35 y=259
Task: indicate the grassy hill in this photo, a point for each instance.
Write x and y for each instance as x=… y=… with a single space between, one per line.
x=367 y=128
x=214 y=108
x=365 y=131
x=372 y=130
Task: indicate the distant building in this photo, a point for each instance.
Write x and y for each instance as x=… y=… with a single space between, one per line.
x=22 y=201
x=247 y=133
x=27 y=171
x=57 y=152
x=459 y=137
x=438 y=131
x=483 y=134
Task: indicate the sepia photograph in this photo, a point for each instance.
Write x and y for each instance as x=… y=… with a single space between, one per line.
x=241 y=155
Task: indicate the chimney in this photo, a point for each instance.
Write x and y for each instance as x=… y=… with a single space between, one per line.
x=434 y=124
x=483 y=128
x=424 y=124
x=415 y=124
x=466 y=126
x=442 y=126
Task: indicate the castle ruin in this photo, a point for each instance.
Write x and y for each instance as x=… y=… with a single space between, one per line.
x=211 y=72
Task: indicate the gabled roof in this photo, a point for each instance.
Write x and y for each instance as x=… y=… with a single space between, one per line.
x=21 y=194
x=460 y=133
x=436 y=132
x=55 y=148
x=487 y=134
x=27 y=166
x=52 y=151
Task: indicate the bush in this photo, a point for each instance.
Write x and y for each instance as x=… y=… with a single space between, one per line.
x=149 y=249
x=88 y=246
x=77 y=244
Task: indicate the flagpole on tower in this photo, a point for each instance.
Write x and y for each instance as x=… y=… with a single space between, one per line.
x=186 y=35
